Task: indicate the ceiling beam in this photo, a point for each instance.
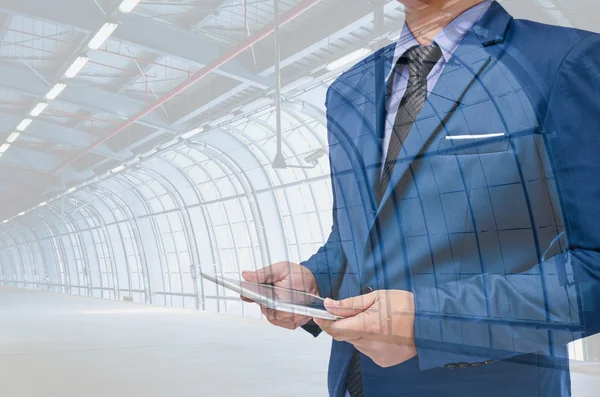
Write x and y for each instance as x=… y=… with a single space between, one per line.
x=325 y=31
x=18 y=180
x=42 y=130
x=120 y=106
x=349 y=19
x=141 y=32
x=212 y=103
x=41 y=162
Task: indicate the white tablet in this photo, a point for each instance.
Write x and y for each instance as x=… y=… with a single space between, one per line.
x=281 y=299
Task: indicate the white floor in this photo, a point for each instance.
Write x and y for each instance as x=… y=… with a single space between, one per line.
x=63 y=346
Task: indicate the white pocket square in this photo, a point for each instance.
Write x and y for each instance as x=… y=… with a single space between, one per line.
x=479 y=136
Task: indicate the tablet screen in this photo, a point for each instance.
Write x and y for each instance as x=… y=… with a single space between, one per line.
x=277 y=298
x=283 y=295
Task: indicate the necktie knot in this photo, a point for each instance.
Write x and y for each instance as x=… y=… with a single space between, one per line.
x=421 y=59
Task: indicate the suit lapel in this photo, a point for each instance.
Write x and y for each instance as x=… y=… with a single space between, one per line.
x=459 y=75
x=463 y=71
x=373 y=111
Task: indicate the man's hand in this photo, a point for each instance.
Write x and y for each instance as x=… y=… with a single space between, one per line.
x=380 y=325
x=286 y=275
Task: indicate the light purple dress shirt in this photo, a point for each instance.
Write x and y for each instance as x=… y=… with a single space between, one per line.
x=448 y=39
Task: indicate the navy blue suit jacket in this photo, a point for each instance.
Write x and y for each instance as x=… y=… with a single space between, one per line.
x=497 y=235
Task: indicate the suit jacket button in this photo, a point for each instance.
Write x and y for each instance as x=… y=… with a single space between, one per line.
x=450 y=366
x=463 y=365
x=366 y=290
x=477 y=364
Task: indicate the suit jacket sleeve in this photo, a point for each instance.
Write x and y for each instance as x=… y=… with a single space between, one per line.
x=328 y=262
x=500 y=316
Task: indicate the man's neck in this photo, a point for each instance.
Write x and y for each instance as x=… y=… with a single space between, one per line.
x=425 y=21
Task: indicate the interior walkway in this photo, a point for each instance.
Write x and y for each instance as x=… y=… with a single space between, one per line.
x=55 y=345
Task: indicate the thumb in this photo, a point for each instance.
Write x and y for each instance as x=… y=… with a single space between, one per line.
x=352 y=306
x=266 y=275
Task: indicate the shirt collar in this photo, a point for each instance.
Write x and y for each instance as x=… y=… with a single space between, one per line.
x=448 y=38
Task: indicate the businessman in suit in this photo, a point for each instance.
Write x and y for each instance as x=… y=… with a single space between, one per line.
x=465 y=247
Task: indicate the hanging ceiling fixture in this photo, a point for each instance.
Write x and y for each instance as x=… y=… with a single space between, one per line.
x=128 y=5
x=13 y=137
x=103 y=34
x=24 y=124
x=38 y=109
x=76 y=67
x=55 y=91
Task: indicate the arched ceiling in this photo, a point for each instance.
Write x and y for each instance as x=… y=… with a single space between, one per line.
x=168 y=68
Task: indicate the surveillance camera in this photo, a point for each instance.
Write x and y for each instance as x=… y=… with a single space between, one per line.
x=314 y=157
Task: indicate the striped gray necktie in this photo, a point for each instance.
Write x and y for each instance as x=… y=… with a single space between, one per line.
x=421 y=61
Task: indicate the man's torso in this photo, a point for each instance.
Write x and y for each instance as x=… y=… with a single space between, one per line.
x=473 y=192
